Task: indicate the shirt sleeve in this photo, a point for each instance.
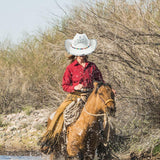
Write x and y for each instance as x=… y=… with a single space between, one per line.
x=98 y=75
x=67 y=81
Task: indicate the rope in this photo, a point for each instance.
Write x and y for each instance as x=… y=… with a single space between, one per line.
x=98 y=115
x=91 y=114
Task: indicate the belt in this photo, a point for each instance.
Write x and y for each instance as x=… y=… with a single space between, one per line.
x=85 y=90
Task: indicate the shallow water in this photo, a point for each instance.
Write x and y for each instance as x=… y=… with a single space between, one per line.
x=3 y=157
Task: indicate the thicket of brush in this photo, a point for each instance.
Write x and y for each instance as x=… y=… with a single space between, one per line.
x=128 y=54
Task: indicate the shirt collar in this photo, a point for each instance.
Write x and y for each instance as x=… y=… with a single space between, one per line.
x=75 y=62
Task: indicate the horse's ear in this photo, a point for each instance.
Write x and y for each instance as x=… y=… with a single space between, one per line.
x=95 y=84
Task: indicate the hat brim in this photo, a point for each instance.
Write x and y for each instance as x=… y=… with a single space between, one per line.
x=83 y=52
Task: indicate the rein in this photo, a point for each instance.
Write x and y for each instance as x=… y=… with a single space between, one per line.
x=98 y=115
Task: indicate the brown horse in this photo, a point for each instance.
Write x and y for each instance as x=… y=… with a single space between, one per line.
x=83 y=136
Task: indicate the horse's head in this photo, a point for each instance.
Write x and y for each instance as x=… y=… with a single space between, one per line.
x=105 y=98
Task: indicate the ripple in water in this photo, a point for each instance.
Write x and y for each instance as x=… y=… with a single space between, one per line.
x=21 y=158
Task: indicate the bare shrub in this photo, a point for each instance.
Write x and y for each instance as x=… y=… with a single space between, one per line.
x=128 y=55
x=30 y=74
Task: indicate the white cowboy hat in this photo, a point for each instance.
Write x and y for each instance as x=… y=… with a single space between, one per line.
x=80 y=45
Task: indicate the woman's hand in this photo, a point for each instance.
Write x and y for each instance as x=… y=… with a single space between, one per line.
x=78 y=87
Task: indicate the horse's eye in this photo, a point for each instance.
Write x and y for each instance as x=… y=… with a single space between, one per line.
x=108 y=89
x=101 y=94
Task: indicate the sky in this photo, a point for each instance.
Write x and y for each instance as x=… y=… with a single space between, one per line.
x=21 y=17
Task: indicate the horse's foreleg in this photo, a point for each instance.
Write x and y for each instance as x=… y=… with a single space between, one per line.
x=72 y=148
x=74 y=142
x=90 y=146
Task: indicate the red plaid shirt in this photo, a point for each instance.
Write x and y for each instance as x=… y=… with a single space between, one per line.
x=77 y=74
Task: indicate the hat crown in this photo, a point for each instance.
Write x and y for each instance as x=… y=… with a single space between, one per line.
x=80 y=41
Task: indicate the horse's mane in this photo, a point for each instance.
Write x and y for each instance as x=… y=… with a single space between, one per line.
x=100 y=84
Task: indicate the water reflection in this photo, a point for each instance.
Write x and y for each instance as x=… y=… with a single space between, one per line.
x=3 y=157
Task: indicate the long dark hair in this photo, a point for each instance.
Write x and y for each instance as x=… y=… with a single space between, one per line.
x=72 y=58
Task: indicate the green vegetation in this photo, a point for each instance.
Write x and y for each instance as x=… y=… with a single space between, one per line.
x=2 y=124
x=28 y=110
x=156 y=149
x=127 y=54
x=40 y=127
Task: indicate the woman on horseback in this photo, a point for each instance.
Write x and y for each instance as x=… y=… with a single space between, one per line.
x=79 y=75
x=78 y=80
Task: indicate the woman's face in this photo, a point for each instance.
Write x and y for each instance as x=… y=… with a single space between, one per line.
x=80 y=58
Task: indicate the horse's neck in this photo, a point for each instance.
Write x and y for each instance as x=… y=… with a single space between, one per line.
x=90 y=108
x=86 y=121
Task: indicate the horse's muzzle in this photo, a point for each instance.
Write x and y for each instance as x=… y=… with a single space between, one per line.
x=111 y=110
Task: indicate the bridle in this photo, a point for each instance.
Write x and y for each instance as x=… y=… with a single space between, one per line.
x=107 y=101
x=98 y=115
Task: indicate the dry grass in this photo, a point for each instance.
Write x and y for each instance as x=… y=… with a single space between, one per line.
x=30 y=74
x=128 y=55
